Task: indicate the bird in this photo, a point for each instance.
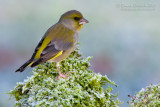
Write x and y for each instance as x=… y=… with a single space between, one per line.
x=58 y=41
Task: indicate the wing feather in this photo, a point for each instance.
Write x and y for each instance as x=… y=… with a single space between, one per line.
x=57 y=39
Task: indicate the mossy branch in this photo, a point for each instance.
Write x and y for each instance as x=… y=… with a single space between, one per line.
x=83 y=88
x=148 y=97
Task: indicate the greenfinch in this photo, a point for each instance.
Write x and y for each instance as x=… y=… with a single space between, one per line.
x=58 y=41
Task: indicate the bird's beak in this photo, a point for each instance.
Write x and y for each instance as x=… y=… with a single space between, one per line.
x=83 y=21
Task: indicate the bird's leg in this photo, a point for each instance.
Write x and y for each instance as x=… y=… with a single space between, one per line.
x=60 y=74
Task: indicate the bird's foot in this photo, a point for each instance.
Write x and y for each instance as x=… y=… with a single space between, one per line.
x=62 y=75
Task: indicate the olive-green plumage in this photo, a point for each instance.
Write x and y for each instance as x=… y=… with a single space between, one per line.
x=59 y=40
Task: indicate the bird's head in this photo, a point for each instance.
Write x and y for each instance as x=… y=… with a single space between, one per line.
x=73 y=19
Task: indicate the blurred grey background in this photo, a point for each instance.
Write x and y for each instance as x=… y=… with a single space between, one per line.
x=123 y=37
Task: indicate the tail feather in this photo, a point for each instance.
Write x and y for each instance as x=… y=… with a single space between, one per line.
x=24 y=66
x=39 y=61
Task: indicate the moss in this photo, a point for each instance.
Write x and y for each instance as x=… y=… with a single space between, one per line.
x=148 y=97
x=83 y=88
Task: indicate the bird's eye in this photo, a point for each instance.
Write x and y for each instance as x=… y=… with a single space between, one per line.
x=76 y=18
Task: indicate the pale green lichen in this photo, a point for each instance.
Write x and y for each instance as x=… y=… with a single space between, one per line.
x=83 y=88
x=148 y=97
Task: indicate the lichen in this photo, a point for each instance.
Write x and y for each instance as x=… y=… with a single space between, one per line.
x=148 y=97
x=83 y=88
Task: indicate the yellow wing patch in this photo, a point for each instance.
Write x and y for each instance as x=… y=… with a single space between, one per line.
x=60 y=53
x=30 y=64
x=44 y=44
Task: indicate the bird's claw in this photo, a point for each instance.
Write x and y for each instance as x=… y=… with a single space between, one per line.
x=62 y=75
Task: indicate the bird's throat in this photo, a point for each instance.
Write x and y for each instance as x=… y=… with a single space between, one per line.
x=80 y=27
